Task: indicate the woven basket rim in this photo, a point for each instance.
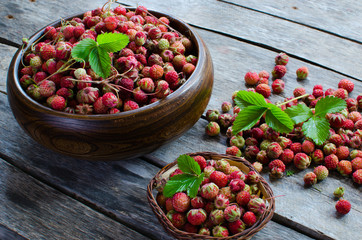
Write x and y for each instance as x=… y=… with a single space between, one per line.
x=179 y=234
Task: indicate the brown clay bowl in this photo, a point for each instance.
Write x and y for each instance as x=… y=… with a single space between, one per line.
x=116 y=136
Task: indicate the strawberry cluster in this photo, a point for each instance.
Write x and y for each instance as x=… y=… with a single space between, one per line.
x=228 y=201
x=156 y=61
x=264 y=146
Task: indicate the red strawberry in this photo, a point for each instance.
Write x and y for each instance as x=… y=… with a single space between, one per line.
x=279 y=71
x=196 y=216
x=344 y=167
x=251 y=78
x=181 y=202
x=156 y=72
x=343 y=206
x=357 y=176
x=219 y=178
x=278 y=86
x=331 y=161
x=249 y=218
x=47 y=52
x=58 y=103
x=47 y=88
x=263 y=89
x=346 y=84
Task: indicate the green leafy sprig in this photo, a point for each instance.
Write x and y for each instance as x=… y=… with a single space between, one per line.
x=253 y=106
x=188 y=181
x=97 y=52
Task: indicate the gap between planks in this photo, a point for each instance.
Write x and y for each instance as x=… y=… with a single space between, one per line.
x=76 y=197
x=292 y=21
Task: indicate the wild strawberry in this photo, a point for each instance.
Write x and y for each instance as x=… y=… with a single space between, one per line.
x=188 y=69
x=258 y=166
x=236 y=185
x=346 y=84
x=329 y=148
x=196 y=216
x=321 y=172
x=263 y=89
x=39 y=77
x=250 y=152
x=317 y=156
x=281 y=59
x=331 y=161
x=84 y=109
x=341 y=93
x=262 y=157
x=308 y=146
x=339 y=192
x=278 y=86
x=356 y=163
x=226 y=106
x=109 y=100
x=219 y=231
x=296 y=147
x=302 y=73
x=299 y=92
x=274 y=150
x=179 y=61
x=221 y=201
x=87 y=95
x=343 y=206
x=257 y=206
x=251 y=78
x=47 y=88
x=342 y=152
x=355 y=141
x=232 y=213
x=181 y=202
x=344 y=167
x=130 y=105
x=279 y=71
x=111 y=23
x=357 y=176
x=264 y=74
x=219 y=178
x=63 y=51
x=217 y=216
x=201 y=161
x=156 y=72
x=252 y=177
x=25 y=81
x=212 y=129
x=277 y=163
x=243 y=198
x=178 y=48
x=49 y=32
x=209 y=191
x=47 y=52
x=310 y=178
x=287 y=156
x=301 y=161
x=58 y=103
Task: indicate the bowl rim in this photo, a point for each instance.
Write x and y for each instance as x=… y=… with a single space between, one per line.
x=156 y=105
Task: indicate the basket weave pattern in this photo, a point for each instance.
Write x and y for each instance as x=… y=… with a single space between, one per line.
x=246 y=234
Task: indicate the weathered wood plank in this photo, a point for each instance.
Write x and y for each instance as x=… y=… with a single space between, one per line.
x=7 y=234
x=341 y=18
x=295 y=39
x=117 y=188
x=37 y=211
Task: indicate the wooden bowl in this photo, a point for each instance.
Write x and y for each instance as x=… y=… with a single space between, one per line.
x=243 y=165
x=116 y=136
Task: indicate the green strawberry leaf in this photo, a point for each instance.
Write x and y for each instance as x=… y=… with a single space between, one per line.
x=247 y=118
x=100 y=62
x=188 y=165
x=182 y=182
x=329 y=104
x=112 y=42
x=244 y=99
x=299 y=113
x=316 y=128
x=82 y=50
x=193 y=188
x=278 y=120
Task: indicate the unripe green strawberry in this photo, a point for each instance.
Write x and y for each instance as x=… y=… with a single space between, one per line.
x=339 y=192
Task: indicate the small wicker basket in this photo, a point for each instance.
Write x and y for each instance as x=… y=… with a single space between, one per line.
x=245 y=166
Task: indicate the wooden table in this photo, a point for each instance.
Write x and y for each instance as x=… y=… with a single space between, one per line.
x=44 y=195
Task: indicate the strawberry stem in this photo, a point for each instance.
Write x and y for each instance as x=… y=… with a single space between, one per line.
x=293 y=99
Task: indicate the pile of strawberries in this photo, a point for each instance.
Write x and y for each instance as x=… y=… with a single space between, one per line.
x=265 y=147
x=228 y=201
x=155 y=63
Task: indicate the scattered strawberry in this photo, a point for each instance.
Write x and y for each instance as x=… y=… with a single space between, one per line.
x=302 y=73
x=343 y=206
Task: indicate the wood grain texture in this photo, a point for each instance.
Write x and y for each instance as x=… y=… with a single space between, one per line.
x=116 y=136
x=37 y=211
x=306 y=43
x=7 y=234
x=342 y=18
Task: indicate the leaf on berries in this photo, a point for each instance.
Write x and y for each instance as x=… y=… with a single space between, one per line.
x=100 y=62
x=244 y=99
x=299 y=113
x=316 y=128
x=82 y=50
x=247 y=118
x=183 y=182
x=329 y=104
x=278 y=120
x=112 y=42
x=188 y=165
